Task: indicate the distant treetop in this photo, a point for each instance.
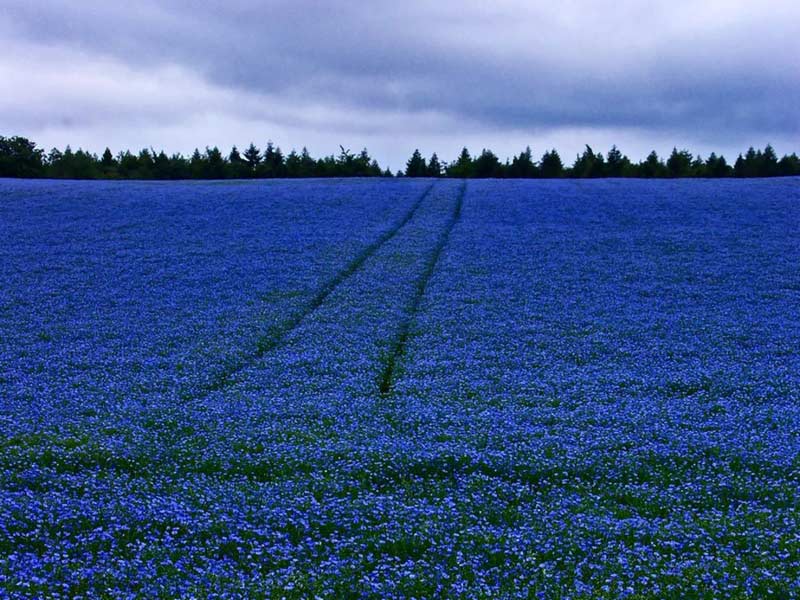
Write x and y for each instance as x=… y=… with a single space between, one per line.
x=19 y=157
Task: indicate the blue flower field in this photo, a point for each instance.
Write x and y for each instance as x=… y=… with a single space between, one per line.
x=406 y=388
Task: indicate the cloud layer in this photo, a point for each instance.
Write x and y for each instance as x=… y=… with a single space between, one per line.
x=393 y=76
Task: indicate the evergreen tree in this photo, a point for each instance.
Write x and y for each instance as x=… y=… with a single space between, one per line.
x=278 y=166
x=416 y=166
x=769 y=162
x=215 y=166
x=146 y=164
x=272 y=164
x=523 y=165
x=162 y=166
x=293 y=165
x=749 y=164
x=435 y=167
x=588 y=164
x=789 y=165
x=617 y=164
x=652 y=166
x=107 y=160
x=717 y=166
x=308 y=164
x=253 y=157
x=238 y=167
x=462 y=167
x=698 y=167
x=364 y=166
x=487 y=165
x=197 y=164
x=108 y=165
x=551 y=166
x=679 y=163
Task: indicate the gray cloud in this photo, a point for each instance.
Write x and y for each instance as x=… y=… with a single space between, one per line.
x=713 y=76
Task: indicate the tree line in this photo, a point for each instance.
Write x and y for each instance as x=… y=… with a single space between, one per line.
x=680 y=163
x=20 y=157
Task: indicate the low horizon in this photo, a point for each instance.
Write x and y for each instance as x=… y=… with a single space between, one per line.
x=537 y=150
x=20 y=157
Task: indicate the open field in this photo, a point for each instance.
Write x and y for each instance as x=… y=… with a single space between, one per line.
x=400 y=388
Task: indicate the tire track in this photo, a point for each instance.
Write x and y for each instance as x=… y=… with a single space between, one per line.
x=399 y=346
x=272 y=338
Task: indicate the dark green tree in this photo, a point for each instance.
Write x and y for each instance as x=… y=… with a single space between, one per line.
x=698 y=167
x=292 y=164
x=215 y=166
x=146 y=164
x=364 y=166
x=748 y=165
x=435 y=166
x=107 y=160
x=679 y=163
x=487 y=165
x=308 y=165
x=19 y=157
x=253 y=157
x=416 y=165
x=463 y=167
x=238 y=167
x=617 y=164
x=273 y=163
x=162 y=166
x=652 y=166
x=588 y=164
x=717 y=166
x=197 y=164
x=769 y=162
x=789 y=165
x=523 y=165
x=551 y=166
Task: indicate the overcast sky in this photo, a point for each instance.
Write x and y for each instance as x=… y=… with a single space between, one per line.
x=392 y=76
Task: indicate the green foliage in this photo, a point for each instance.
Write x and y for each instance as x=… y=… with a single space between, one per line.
x=238 y=167
x=416 y=166
x=551 y=165
x=435 y=166
x=717 y=166
x=462 y=167
x=523 y=165
x=789 y=165
x=617 y=164
x=589 y=164
x=679 y=164
x=487 y=165
x=652 y=166
x=253 y=157
x=19 y=157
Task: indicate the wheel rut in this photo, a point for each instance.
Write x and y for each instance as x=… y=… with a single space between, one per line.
x=272 y=338
x=398 y=347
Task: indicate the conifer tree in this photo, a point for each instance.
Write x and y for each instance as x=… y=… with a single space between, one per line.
x=416 y=166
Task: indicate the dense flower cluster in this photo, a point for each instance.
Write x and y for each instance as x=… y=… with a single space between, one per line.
x=594 y=389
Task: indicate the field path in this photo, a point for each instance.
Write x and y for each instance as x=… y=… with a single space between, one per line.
x=356 y=329
x=399 y=345
x=271 y=338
